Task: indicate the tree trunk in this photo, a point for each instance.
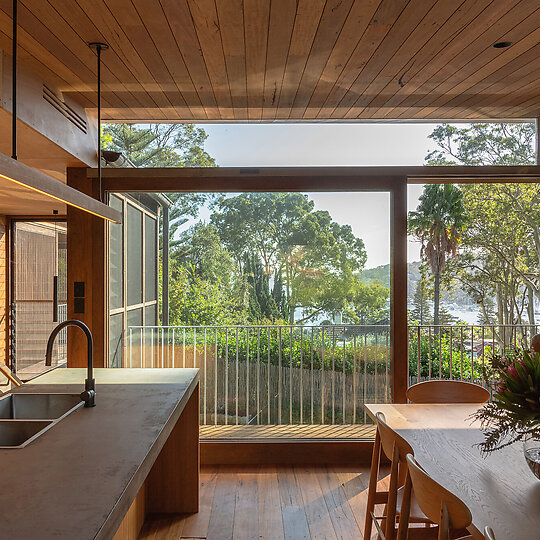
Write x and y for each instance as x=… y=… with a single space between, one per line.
x=536 y=236
x=530 y=307
x=486 y=314
x=500 y=306
x=436 y=293
x=500 y=315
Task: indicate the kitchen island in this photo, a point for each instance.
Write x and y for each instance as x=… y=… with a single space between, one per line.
x=98 y=471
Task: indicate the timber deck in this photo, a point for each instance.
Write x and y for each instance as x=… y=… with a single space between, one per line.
x=290 y=432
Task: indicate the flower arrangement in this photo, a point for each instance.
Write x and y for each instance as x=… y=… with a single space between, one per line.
x=514 y=412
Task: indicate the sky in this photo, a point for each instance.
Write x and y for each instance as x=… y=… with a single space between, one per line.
x=332 y=144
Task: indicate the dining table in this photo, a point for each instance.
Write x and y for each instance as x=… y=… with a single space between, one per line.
x=499 y=488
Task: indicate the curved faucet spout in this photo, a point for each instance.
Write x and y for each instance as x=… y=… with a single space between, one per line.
x=88 y=396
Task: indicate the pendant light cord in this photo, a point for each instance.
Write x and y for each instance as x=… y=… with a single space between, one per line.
x=98 y=51
x=98 y=47
x=14 y=85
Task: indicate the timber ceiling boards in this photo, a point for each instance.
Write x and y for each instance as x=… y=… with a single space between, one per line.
x=265 y=60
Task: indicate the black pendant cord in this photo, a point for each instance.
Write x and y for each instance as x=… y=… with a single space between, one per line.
x=14 y=85
x=98 y=51
x=98 y=47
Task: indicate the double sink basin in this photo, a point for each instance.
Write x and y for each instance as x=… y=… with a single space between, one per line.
x=24 y=417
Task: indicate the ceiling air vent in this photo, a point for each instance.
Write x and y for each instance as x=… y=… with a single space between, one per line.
x=63 y=108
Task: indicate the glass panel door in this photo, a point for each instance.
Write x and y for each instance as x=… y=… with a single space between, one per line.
x=38 y=292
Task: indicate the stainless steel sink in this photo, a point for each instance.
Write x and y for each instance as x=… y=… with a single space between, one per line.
x=38 y=406
x=18 y=433
x=24 y=417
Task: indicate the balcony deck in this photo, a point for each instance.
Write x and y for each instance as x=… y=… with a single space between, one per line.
x=269 y=502
x=245 y=433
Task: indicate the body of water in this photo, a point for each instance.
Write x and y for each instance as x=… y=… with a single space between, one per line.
x=470 y=316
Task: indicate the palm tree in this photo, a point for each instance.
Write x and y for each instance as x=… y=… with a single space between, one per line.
x=438 y=223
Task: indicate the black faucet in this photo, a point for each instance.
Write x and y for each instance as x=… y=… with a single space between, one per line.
x=89 y=394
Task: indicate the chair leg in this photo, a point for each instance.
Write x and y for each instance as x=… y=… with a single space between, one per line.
x=372 y=489
x=405 y=509
x=389 y=523
x=444 y=524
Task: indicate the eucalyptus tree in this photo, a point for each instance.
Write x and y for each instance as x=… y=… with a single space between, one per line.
x=303 y=248
x=494 y=143
x=502 y=240
x=438 y=223
x=200 y=248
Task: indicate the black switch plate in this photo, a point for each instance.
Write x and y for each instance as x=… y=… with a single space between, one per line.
x=78 y=305
x=79 y=289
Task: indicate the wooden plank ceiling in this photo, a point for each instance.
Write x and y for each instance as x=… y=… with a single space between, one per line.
x=266 y=60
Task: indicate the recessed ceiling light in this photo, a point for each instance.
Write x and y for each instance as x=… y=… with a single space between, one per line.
x=502 y=44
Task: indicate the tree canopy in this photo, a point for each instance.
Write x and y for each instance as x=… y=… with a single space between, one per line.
x=164 y=145
x=438 y=223
x=304 y=249
x=483 y=144
x=158 y=145
x=499 y=260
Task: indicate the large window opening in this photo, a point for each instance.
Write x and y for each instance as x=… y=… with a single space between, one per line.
x=473 y=279
x=443 y=341
x=282 y=300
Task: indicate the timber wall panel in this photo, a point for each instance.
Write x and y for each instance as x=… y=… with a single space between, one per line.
x=4 y=297
x=86 y=263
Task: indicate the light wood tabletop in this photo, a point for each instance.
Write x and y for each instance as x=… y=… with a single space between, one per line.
x=499 y=489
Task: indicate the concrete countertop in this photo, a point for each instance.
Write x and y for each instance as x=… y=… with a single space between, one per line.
x=78 y=479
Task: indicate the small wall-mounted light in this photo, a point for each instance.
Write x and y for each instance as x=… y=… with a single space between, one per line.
x=502 y=44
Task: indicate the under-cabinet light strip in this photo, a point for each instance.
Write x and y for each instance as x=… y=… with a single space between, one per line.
x=37 y=190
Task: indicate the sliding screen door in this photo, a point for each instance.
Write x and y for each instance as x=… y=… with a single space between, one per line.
x=39 y=256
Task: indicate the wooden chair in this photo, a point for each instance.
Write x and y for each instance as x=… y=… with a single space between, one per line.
x=394 y=447
x=447 y=392
x=438 y=504
x=488 y=534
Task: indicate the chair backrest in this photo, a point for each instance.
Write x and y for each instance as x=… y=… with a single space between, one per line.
x=437 y=503
x=393 y=442
x=395 y=448
x=488 y=534
x=447 y=392
x=535 y=344
x=389 y=439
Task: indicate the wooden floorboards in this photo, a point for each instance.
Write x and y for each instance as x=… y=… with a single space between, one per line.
x=274 y=503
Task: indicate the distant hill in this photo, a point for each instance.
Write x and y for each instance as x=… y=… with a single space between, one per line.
x=382 y=275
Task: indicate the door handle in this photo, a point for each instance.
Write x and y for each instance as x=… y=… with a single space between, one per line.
x=55 y=298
